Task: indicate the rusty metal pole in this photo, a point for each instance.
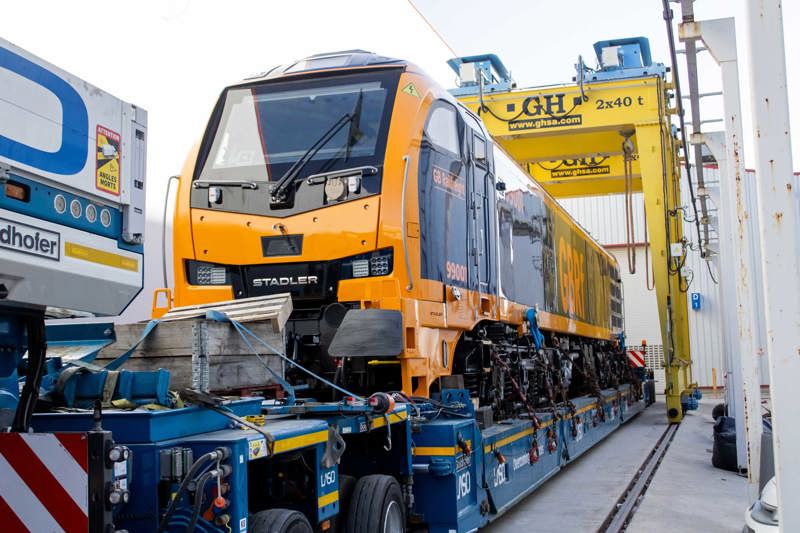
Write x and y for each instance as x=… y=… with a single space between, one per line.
x=739 y=254
x=779 y=215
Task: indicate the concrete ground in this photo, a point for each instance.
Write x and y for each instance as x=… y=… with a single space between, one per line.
x=687 y=494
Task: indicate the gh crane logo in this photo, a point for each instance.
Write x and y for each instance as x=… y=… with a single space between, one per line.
x=546 y=104
x=545 y=111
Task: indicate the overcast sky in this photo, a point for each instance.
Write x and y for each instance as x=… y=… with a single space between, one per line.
x=173 y=57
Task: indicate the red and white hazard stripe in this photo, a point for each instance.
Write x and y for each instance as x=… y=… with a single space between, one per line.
x=44 y=482
x=636 y=358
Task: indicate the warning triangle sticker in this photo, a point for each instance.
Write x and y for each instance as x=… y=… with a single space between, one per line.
x=411 y=89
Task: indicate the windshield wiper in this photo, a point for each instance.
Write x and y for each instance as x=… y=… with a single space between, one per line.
x=354 y=134
x=280 y=188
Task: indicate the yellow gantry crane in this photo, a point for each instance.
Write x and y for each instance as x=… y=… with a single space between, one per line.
x=609 y=132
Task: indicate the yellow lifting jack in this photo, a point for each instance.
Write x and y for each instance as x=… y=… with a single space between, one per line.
x=608 y=133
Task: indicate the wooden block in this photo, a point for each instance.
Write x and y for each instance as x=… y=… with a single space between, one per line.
x=204 y=352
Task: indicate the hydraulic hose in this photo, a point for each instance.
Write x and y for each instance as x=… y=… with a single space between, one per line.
x=37 y=353
x=198 y=498
x=199 y=493
x=218 y=454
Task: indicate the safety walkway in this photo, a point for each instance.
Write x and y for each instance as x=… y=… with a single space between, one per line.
x=686 y=494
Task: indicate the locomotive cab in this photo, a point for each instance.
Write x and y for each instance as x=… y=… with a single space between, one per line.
x=286 y=193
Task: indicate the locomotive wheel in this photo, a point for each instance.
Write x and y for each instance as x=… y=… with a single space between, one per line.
x=279 y=521
x=376 y=506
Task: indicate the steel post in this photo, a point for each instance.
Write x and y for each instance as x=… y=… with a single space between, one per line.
x=719 y=36
x=779 y=217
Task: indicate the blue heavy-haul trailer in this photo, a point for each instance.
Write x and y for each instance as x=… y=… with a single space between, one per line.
x=339 y=465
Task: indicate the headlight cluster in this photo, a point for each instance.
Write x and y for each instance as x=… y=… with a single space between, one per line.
x=378 y=263
x=207 y=273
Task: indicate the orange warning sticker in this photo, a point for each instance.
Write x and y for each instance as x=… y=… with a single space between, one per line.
x=108 y=160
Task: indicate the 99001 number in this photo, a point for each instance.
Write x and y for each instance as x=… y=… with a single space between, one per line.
x=456 y=272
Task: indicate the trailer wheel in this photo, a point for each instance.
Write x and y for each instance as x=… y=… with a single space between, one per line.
x=376 y=506
x=279 y=521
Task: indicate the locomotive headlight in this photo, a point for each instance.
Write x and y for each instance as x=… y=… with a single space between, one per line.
x=377 y=263
x=335 y=189
x=210 y=275
x=361 y=268
x=206 y=273
x=353 y=184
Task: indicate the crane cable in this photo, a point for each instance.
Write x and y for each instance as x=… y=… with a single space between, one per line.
x=679 y=105
x=630 y=235
x=649 y=275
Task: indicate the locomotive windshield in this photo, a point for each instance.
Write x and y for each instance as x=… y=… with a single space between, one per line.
x=281 y=132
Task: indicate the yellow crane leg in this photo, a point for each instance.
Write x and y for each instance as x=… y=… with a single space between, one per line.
x=660 y=184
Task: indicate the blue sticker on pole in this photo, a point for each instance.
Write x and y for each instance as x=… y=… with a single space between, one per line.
x=696 y=301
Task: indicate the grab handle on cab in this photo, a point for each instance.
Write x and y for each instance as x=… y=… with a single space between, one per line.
x=403 y=223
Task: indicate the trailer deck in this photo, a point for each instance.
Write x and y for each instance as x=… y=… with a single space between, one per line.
x=686 y=493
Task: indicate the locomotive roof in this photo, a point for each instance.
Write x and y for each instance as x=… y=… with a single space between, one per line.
x=358 y=59
x=342 y=60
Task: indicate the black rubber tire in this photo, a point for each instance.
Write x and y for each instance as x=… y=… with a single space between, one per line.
x=372 y=497
x=346 y=486
x=279 y=521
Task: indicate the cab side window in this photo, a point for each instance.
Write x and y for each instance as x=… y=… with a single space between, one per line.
x=442 y=129
x=442 y=177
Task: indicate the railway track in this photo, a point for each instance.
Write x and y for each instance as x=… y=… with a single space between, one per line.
x=628 y=503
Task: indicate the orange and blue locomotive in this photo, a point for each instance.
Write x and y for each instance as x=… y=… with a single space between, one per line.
x=418 y=255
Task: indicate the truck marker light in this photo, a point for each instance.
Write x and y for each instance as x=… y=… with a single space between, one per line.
x=75 y=208
x=91 y=213
x=16 y=192
x=60 y=204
